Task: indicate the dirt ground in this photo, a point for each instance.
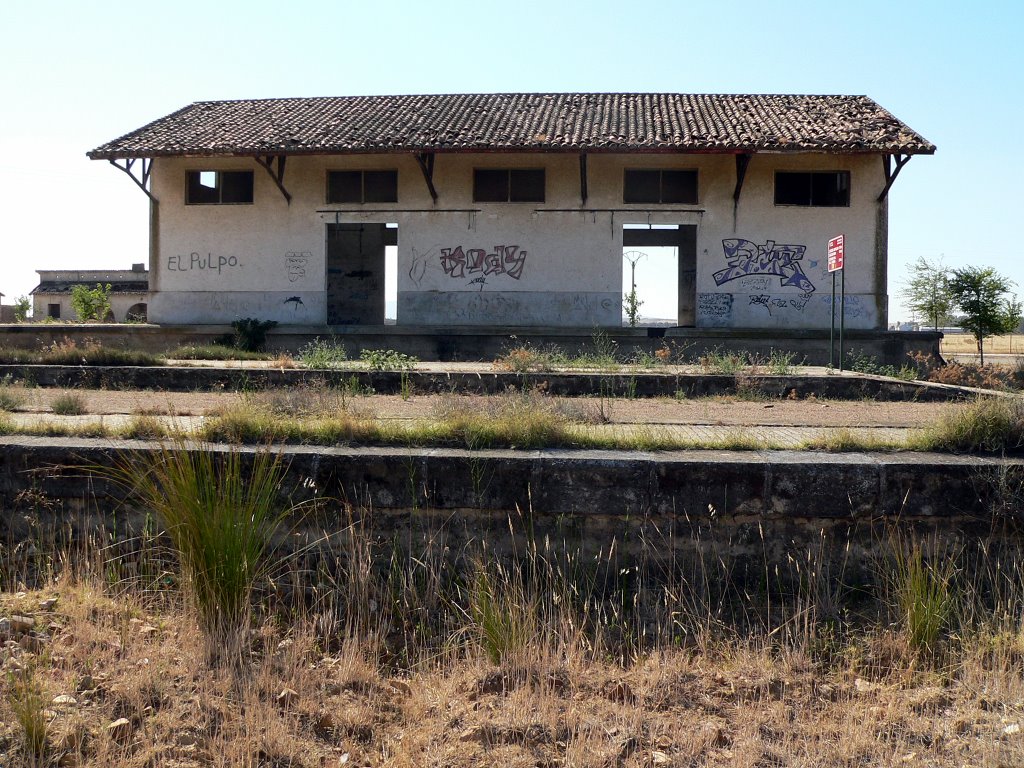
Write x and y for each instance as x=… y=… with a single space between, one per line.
x=702 y=411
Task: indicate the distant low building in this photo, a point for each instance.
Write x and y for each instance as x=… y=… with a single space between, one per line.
x=129 y=292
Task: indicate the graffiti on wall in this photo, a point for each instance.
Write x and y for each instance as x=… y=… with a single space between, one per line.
x=777 y=303
x=746 y=258
x=196 y=261
x=295 y=264
x=715 y=308
x=503 y=260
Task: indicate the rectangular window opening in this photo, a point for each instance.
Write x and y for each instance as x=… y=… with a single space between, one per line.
x=218 y=187
x=508 y=185
x=362 y=187
x=53 y=311
x=825 y=189
x=659 y=186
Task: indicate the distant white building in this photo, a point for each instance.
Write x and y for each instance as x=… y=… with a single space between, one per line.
x=129 y=292
x=515 y=209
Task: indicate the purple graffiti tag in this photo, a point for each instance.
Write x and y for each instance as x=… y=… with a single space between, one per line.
x=748 y=258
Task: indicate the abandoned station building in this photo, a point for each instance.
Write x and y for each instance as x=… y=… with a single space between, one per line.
x=515 y=209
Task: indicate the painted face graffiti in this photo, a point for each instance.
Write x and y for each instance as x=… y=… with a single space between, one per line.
x=748 y=258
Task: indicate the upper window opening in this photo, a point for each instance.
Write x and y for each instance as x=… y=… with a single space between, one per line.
x=362 y=186
x=218 y=187
x=508 y=185
x=817 y=188
x=659 y=186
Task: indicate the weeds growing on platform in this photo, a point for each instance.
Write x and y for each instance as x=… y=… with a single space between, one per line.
x=442 y=643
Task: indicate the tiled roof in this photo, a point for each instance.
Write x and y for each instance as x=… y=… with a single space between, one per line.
x=570 y=122
x=65 y=286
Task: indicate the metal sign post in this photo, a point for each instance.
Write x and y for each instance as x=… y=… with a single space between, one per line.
x=836 y=254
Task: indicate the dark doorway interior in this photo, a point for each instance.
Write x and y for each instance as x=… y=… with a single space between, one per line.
x=683 y=238
x=355 y=272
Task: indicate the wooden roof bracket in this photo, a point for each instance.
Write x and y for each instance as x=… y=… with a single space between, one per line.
x=142 y=181
x=890 y=172
x=277 y=174
x=742 y=163
x=583 y=178
x=426 y=161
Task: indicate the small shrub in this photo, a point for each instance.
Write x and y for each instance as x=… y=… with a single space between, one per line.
x=68 y=404
x=780 y=363
x=11 y=397
x=28 y=703
x=322 y=353
x=722 y=362
x=221 y=513
x=387 y=360
x=251 y=334
x=22 y=306
x=923 y=595
x=527 y=358
x=859 y=362
x=991 y=424
x=91 y=304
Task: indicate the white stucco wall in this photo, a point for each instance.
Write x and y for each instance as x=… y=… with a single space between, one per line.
x=537 y=265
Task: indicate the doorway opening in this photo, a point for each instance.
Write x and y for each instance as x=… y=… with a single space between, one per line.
x=659 y=274
x=358 y=273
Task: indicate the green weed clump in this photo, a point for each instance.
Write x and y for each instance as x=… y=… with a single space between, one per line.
x=68 y=404
x=923 y=595
x=989 y=424
x=71 y=352
x=723 y=362
x=221 y=512
x=214 y=352
x=388 y=360
x=28 y=704
x=322 y=353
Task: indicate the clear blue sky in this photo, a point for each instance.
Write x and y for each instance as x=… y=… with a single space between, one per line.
x=75 y=75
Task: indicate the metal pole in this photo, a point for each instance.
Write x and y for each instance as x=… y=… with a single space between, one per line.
x=832 y=328
x=842 y=318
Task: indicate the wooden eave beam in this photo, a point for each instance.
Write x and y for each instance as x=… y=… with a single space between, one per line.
x=268 y=163
x=426 y=161
x=141 y=181
x=742 y=162
x=890 y=172
x=583 y=178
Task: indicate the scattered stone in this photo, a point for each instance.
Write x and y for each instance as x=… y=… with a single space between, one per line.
x=471 y=734
x=34 y=642
x=21 y=624
x=620 y=692
x=119 y=729
x=285 y=644
x=715 y=736
x=5 y=628
x=333 y=688
x=865 y=686
x=64 y=700
x=186 y=740
x=85 y=684
x=325 y=723
x=1012 y=729
x=660 y=758
x=402 y=687
x=287 y=697
x=930 y=700
x=47 y=605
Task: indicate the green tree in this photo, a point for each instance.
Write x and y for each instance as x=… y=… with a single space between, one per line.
x=91 y=304
x=22 y=304
x=927 y=291
x=980 y=293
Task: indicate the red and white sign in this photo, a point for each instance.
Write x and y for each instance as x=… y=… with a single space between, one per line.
x=836 y=252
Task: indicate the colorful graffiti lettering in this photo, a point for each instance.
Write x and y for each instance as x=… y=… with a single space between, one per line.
x=748 y=258
x=503 y=260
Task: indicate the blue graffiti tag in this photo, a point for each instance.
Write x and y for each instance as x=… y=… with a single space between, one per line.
x=748 y=258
